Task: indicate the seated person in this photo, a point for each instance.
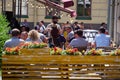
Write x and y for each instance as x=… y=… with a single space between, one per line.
x=14 y=41
x=102 y=40
x=33 y=36
x=24 y=35
x=43 y=37
x=70 y=33
x=79 y=42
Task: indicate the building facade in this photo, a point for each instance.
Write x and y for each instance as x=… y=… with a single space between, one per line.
x=114 y=20
x=91 y=12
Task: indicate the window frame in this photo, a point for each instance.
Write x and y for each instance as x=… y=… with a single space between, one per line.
x=22 y=15
x=84 y=17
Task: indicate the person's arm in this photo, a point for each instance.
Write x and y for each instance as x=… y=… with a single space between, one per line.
x=93 y=44
x=67 y=39
x=44 y=38
x=59 y=28
x=48 y=29
x=70 y=45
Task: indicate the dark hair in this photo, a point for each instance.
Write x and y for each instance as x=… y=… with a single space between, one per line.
x=26 y=28
x=75 y=23
x=54 y=17
x=67 y=22
x=42 y=22
x=102 y=30
x=23 y=26
x=102 y=23
x=15 y=32
x=68 y=27
x=79 y=32
x=82 y=23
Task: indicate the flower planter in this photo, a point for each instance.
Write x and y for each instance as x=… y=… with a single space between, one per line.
x=35 y=51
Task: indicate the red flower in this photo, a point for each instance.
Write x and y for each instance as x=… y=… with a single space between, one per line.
x=75 y=49
x=55 y=49
x=8 y=49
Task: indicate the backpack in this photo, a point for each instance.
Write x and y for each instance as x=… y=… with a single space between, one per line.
x=55 y=32
x=56 y=37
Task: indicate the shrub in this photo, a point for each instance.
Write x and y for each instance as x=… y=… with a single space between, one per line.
x=3 y=31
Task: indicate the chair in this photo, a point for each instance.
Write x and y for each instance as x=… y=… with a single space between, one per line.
x=106 y=49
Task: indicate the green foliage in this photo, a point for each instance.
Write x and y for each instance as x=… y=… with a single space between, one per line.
x=3 y=31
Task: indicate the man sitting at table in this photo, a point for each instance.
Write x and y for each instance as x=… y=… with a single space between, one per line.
x=79 y=42
x=14 y=41
x=102 y=39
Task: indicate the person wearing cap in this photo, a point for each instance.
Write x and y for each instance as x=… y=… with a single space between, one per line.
x=14 y=41
x=102 y=39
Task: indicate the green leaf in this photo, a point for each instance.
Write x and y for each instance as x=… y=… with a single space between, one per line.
x=3 y=31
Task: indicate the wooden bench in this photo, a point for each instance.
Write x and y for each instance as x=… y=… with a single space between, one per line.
x=106 y=49
x=57 y=67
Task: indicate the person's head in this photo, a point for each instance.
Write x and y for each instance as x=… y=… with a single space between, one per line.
x=78 y=33
x=24 y=35
x=67 y=22
x=33 y=35
x=23 y=28
x=41 y=23
x=102 y=24
x=68 y=29
x=27 y=29
x=55 y=19
x=25 y=20
x=82 y=23
x=15 y=32
x=75 y=23
x=102 y=30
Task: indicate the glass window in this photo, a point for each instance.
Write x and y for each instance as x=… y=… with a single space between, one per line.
x=24 y=10
x=84 y=8
x=50 y=11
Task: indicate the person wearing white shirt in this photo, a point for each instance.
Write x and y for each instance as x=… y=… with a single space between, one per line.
x=42 y=27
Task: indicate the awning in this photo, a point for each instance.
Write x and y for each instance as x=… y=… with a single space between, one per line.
x=58 y=7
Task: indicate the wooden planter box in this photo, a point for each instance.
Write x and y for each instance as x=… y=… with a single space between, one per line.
x=37 y=51
x=57 y=67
